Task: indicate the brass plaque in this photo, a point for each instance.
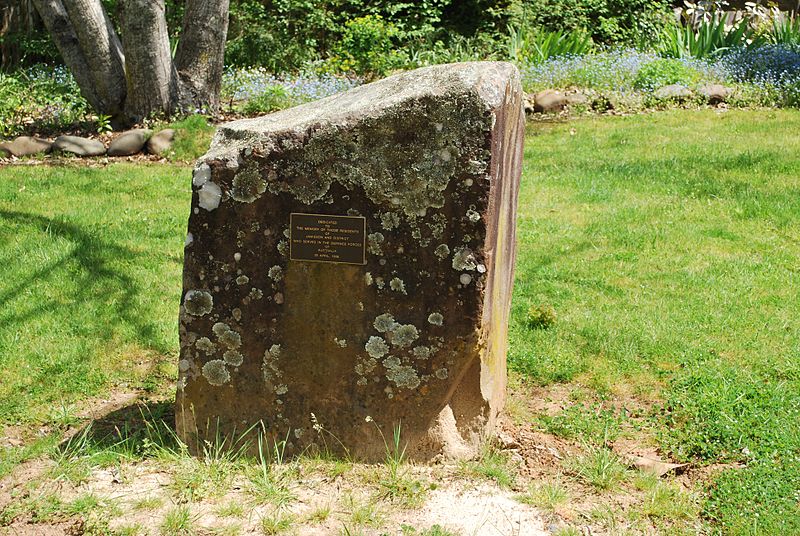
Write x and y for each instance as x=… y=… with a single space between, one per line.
x=327 y=238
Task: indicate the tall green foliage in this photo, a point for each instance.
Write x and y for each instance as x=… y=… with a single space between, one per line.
x=608 y=21
x=709 y=38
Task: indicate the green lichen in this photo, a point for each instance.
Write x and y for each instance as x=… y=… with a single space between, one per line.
x=376 y=347
x=374 y=241
x=385 y=322
x=403 y=376
x=422 y=352
x=215 y=372
x=442 y=251
x=464 y=259
x=397 y=285
x=441 y=373
x=404 y=335
x=204 y=344
x=275 y=273
x=436 y=319
x=255 y=294
x=473 y=216
x=233 y=358
x=242 y=280
x=226 y=336
x=391 y=362
x=283 y=248
x=390 y=220
x=198 y=302
x=248 y=185
x=365 y=366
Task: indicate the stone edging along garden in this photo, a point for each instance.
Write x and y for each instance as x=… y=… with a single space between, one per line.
x=128 y=143
x=549 y=101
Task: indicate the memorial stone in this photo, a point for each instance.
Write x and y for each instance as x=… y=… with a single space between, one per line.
x=349 y=265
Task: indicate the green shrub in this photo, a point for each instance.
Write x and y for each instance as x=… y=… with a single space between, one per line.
x=41 y=99
x=663 y=72
x=280 y=35
x=784 y=31
x=608 y=21
x=273 y=98
x=536 y=45
x=709 y=38
x=367 y=48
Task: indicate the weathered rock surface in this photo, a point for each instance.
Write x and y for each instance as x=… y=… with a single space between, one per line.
x=714 y=93
x=323 y=354
x=549 y=101
x=79 y=146
x=676 y=92
x=26 y=146
x=129 y=143
x=161 y=142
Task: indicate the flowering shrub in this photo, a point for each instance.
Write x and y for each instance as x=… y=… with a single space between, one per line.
x=767 y=75
x=616 y=71
x=47 y=97
x=240 y=85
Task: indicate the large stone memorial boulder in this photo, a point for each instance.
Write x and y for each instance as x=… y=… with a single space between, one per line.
x=349 y=266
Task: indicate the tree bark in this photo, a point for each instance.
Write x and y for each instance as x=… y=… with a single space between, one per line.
x=201 y=51
x=152 y=78
x=90 y=48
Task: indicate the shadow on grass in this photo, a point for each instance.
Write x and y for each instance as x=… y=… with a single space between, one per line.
x=95 y=280
x=139 y=429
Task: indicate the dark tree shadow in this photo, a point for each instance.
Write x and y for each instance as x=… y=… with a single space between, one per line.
x=95 y=278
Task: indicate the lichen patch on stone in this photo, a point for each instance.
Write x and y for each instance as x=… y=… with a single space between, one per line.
x=397 y=285
x=226 y=336
x=198 y=302
x=209 y=196
x=404 y=335
x=464 y=259
x=374 y=241
x=204 y=344
x=233 y=358
x=275 y=273
x=403 y=376
x=215 y=372
x=385 y=322
x=442 y=251
x=376 y=347
x=248 y=185
x=436 y=319
x=201 y=175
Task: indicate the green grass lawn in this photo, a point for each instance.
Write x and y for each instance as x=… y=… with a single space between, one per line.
x=668 y=246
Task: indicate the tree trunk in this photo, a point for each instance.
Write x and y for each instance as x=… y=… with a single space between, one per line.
x=201 y=51
x=152 y=78
x=90 y=48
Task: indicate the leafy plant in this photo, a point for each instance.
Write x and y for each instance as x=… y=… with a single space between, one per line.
x=663 y=72
x=272 y=99
x=599 y=467
x=708 y=38
x=608 y=21
x=539 y=45
x=785 y=30
x=103 y=123
x=367 y=48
